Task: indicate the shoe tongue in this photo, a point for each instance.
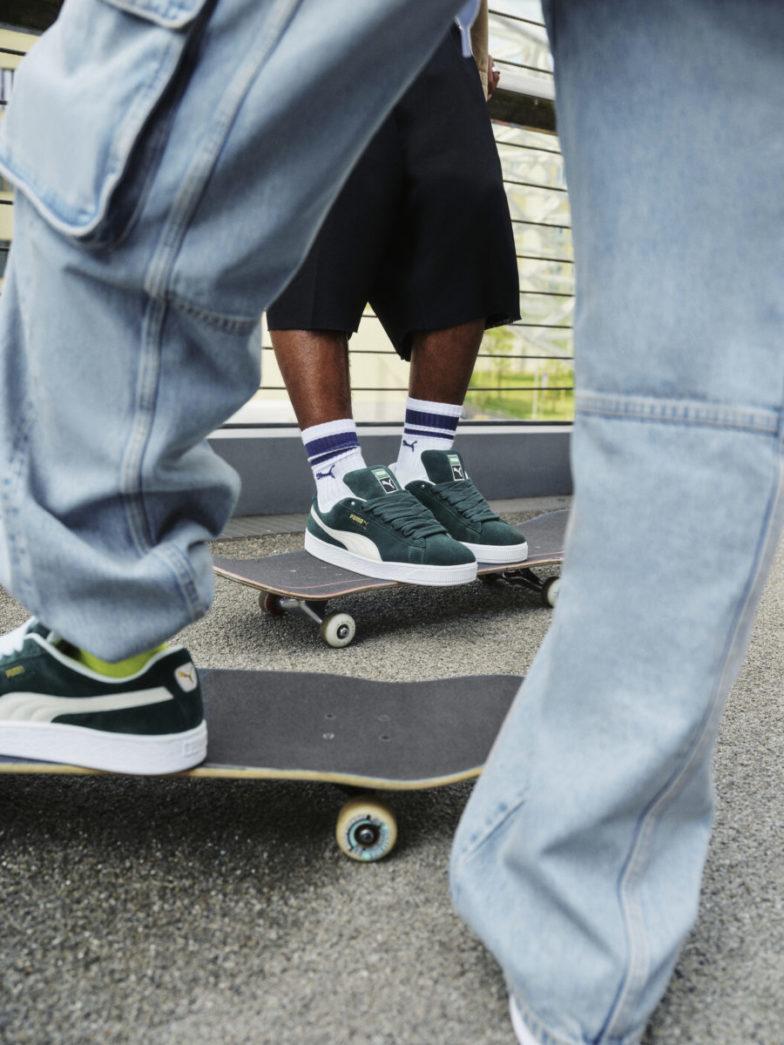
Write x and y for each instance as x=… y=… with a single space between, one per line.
x=35 y=626
x=371 y=482
x=444 y=466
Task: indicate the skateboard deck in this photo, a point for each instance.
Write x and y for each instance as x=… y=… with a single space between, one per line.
x=298 y=580
x=386 y=736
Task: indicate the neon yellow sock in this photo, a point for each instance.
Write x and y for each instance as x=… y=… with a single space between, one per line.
x=119 y=669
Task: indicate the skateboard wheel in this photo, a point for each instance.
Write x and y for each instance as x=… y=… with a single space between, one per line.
x=550 y=591
x=489 y=578
x=338 y=630
x=270 y=603
x=366 y=830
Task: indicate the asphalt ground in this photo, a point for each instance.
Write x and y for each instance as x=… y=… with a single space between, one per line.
x=174 y=911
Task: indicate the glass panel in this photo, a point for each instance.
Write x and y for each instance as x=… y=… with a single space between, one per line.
x=539 y=241
x=540 y=205
x=531 y=165
x=537 y=308
x=552 y=277
x=530 y=341
x=506 y=388
x=519 y=39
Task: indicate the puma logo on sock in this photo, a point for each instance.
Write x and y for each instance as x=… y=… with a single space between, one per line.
x=326 y=475
x=410 y=445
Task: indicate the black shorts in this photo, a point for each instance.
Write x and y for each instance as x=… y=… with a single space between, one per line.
x=421 y=229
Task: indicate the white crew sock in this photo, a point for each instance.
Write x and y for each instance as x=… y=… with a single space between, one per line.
x=333 y=451
x=429 y=426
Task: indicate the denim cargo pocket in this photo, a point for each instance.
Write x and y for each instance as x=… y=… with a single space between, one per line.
x=82 y=98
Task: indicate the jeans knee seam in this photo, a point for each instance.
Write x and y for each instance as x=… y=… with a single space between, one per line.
x=632 y=911
x=687 y=412
x=132 y=484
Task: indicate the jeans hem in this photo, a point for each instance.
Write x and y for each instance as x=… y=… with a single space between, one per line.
x=545 y=1035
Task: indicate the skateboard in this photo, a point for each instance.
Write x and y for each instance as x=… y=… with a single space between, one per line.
x=354 y=733
x=298 y=580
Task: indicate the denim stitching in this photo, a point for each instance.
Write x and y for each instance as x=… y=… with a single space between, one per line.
x=20 y=562
x=161 y=269
x=170 y=16
x=143 y=416
x=157 y=282
x=632 y=911
x=495 y=820
x=172 y=557
x=219 y=320
x=46 y=202
x=679 y=411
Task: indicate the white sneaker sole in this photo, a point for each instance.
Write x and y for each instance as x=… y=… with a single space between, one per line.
x=406 y=573
x=99 y=749
x=498 y=553
x=522 y=1033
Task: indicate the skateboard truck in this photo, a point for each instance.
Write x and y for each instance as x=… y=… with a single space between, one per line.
x=547 y=589
x=336 y=629
x=299 y=581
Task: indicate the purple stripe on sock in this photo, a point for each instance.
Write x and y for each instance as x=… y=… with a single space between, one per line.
x=321 y=458
x=337 y=443
x=431 y=435
x=416 y=417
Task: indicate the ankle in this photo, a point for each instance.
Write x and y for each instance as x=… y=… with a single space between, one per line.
x=119 y=669
x=429 y=425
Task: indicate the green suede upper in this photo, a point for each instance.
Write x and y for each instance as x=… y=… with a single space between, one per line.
x=395 y=521
x=457 y=504
x=36 y=669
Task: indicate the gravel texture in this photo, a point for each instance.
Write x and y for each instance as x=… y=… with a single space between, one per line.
x=218 y=911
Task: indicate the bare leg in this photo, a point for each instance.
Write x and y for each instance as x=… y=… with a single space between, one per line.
x=442 y=362
x=314 y=365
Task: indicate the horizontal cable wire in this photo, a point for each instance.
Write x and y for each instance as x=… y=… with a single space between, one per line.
x=516 y=18
x=530 y=148
x=547 y=293
x=540 y=224
x=534 y=185
x=522 y=65
x=538 y=257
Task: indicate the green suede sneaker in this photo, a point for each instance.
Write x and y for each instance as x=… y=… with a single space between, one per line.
x=385 y=532
x=461 y=509
x=54 y=709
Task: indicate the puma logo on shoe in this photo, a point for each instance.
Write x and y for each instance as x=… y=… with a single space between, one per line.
x=385 y=480
x=187 y=678
x=458 y=471
x=326 y=475
x=410 y=445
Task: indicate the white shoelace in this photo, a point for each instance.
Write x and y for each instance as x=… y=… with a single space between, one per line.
x=13 y=641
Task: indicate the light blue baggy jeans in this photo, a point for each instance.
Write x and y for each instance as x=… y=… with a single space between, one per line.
x=173 y=160
x=579 y=858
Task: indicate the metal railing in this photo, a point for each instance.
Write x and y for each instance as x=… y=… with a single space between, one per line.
x=524 y=119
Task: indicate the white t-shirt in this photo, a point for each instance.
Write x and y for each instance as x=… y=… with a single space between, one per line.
x=465 y=19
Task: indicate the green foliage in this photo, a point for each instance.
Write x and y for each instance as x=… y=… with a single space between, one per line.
x=507 y=388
